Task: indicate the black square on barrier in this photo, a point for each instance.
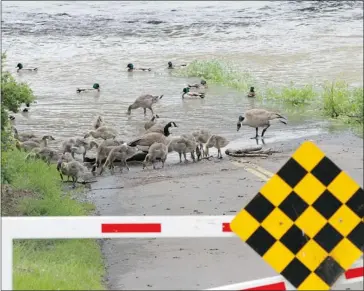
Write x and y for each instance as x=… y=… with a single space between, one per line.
x=292 y=172
x=356 y=203
x=327 y=204
x=325 y=171
x=261 y=241
x=357 y=236
x=328 y=237
x=295 y=272
x=294 y=239
x=329 y=271
x=293 y=206
x=259 y=207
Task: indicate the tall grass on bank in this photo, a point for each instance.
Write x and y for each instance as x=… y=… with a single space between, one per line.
x=217 y=72
x=75 y=264
x=335 y=100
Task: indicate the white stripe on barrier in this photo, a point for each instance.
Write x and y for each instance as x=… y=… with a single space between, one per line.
x=76 y=227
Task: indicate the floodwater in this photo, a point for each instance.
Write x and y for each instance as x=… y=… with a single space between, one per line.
x=76 y=44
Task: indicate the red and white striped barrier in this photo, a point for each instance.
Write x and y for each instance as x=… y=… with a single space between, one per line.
x=74 y=227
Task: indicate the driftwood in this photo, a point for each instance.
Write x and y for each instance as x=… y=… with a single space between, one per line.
x=253 y=151
x=81 y=182
x=138 y=157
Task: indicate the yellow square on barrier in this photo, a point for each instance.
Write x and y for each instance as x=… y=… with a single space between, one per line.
x=307 y=220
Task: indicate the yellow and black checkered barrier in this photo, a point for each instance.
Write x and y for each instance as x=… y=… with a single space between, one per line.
x=306 y=221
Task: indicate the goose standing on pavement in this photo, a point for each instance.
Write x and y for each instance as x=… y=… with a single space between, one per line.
x=259 y=118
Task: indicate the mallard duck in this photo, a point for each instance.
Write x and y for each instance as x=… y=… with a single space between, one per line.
x=215 y=141
x=21 y=67
x=202 y=84
x=145 y=102
x=95 y=86
x=251 y=92
x=259 y=118
x=131 y=68
x=171 y=66
x=186 y=91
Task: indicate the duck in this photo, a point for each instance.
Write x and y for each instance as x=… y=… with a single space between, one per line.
x=164 y=129
x=186 y=91
x=157 y=151
x=257 y=117
x=171 y=66
x=151 y=122
x=145 y=102
x=95 y=86
x=21 y=67
x=215 y=141
x=131 y=68
x=203 y=84
x=103 y=132
x=251 y=92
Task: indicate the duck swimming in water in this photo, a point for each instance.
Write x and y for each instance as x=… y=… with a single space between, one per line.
x=202 y=84
x=186 y=91
x=95 y=86
x=170 y=65
x=131 y=68
x=21 y=67
x=251 y=92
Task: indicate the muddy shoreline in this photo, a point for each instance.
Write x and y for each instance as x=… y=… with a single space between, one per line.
x=216 y=187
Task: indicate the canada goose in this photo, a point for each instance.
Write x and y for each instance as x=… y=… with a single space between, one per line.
x=201 y=136
x=186 y=91
x=202 y=84
x=31 y=144
x=44 y=153
x=103 y=132
x=151 y=122
x=95 y=86
x=98 y=122
x=164 y=129
x=21 y=67
x=215 y=141
x=67 y=145
x=122 y=153
x=148 y=139
x=183 y=145
x=171 y=66
x=74 y=169
x=131 y=68
x=103 y=151
x=259 y=118
x=251 y=92
x=145 y=102
x=82 y=149
x=157 y=151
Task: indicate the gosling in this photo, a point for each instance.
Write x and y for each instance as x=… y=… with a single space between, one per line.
x=215 y=141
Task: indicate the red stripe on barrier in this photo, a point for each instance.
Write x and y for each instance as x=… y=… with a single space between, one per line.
x=275 y=286
x=354 y=273
x=131 y=227
x=226 y=227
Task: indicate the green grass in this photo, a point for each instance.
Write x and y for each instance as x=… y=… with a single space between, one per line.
x=48 y=264
x=335 y=100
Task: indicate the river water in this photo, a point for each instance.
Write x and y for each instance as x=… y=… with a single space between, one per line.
x=76 y=44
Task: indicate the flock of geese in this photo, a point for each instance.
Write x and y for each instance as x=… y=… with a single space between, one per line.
x=151 y=147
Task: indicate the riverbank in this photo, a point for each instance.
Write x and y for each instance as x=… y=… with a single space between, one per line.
x=216 y=187
x=33 y=188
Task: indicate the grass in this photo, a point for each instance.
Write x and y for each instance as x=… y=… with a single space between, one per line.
x=34 y=188
x=335 y=100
